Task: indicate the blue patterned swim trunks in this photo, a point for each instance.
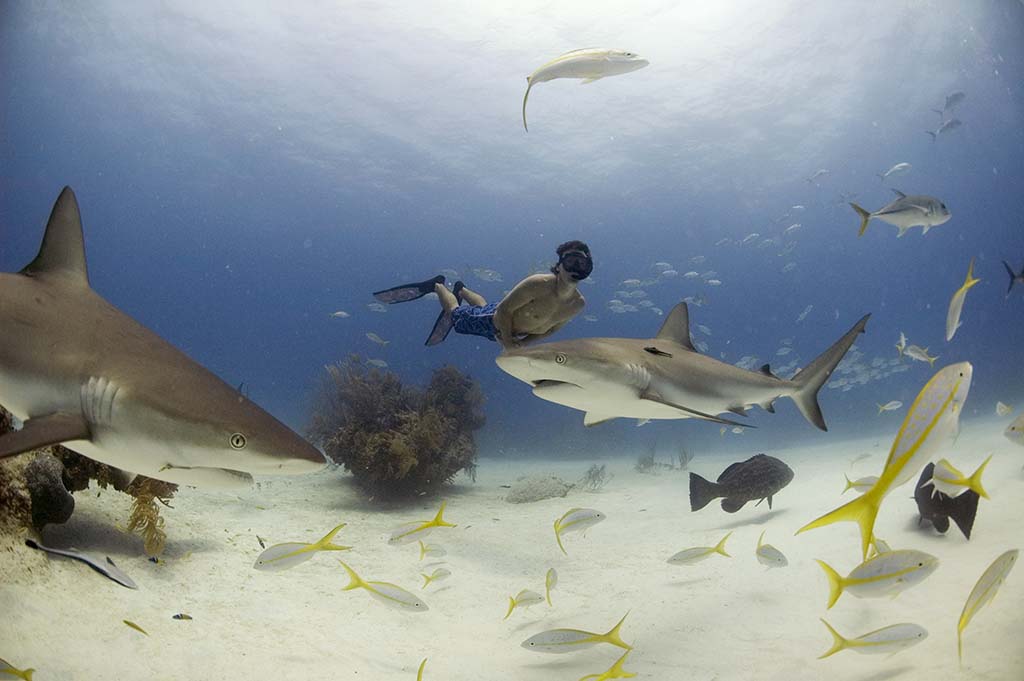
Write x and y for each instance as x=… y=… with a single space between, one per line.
x=475 y=320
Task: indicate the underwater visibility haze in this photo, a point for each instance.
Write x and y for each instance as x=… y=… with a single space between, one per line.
x=750 y=201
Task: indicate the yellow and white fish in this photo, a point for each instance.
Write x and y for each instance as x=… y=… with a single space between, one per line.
x=879 y=546
x=9 y=671
x=956 y=303
x=860 y=484
x=570 y=640
x=389 y=594
x=431 y=550
x=890 y=639
x=614 y=672
x=902 y=345
x=436 y=576
x=407 y=533
x=377 y=339
x=550 y=580
x=887 y=574
x=891 y=405
x=589 y=64
x=920 y=354
x=930 y=424
x=523 y=599
x=768 y=555
x=1003 y=409
x=699 y=553
x=289 y=554
x=1015 y=431
x=983 y=592
x=576 y=520
x=946 y=478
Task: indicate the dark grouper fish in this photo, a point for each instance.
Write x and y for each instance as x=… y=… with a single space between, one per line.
x=759 y=477
x=939 y=508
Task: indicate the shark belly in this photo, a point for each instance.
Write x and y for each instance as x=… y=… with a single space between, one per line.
x=610 y=400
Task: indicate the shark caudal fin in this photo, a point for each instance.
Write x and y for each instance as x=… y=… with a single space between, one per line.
x=702 y=492
x=63 y=250
x=864 y=218
x=863 y=510
x=810 y=379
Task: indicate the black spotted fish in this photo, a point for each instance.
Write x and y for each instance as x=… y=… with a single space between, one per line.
x=759 y=477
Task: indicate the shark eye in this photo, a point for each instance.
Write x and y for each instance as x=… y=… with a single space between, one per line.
x=560 y=358
x=237 y=441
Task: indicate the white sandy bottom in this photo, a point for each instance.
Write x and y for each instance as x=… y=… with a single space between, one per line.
x=720 y=619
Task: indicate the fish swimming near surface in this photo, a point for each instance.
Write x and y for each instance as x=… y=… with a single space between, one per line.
x=104 y=567
x=956 y=303
x=983 y=592
x=1014 y=278
x=589 y=64
x=377 y=339
x=79 y=372
x=886 y=574
x=571 y=640
x=951 y=124
x=664 y=377
x=431 y=550
x=938 y=508
x=281 y=557
x=759 y=477
x=389 y=594
x=887 y=640
x=340 y=314
x=905 y=212
x=576 y=520
x=895 y=171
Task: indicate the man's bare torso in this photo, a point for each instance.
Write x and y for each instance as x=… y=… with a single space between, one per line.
x=536 y=308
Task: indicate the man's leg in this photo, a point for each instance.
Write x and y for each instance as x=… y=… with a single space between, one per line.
x=448 y=300
x=472 y=297
x=443 y=325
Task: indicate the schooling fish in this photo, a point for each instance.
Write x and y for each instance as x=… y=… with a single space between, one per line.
x=614 y=672
x=436 y=576
x=698 y=553
x=890 y=639
x=570 y=640
x=906 y=212
x=956 y=303
x=887 y=574
x=590 y=64
x=947 y=479
x=1015 y=431
x=1003 y=409
x=417 y=529
x=920 y=354
x=431 y=550
x=389 y=594
x=983 y=592
x=896 y=170
x=768 y=555
x=105 y=568
x=550 y=580
x=576 y=520
x=759 y=477
x=523 y=599
x=892 y=405
x=938 y=508
x=289 y=554
x=860 y=484
x=951 y=124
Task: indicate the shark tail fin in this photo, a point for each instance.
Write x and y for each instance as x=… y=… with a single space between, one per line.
x=1013 y=277
x=835 y=582
x=63 y=248
x=838 y=642
x=810 y=379
x=864 y=218
x=702 y=492
x=962 y=509
x=863 y=510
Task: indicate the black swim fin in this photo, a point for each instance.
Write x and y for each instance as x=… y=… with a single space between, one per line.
x=457 y=291
x=407 y=292
x=442 y=327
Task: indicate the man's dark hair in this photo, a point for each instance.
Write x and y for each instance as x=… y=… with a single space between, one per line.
x=574 y=245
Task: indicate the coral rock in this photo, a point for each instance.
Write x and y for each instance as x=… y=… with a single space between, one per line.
x=51 y=501
x=531 y=488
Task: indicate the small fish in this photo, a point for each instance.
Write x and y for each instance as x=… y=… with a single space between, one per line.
x=1014 y=278
x=389 y=594
x=748 y=238
x=952 y=99
x=723 y=242
x=590 y=64
x=9 y=671
x=662 y=266
x=714 y=282
x=437 y=575
x=735 y=429
x=817 y=173
x=895 y=171
x=691 y=275
x=945 y=127
x=803 y=315
x=263 y=544
x=419 y=672
x=487 y=275
x=788 y=267
x=289 y=554
x=576 y=520
x=783 y=351
x=792 y=228
x=902 y=345
x=938 y=508
x=860 y=484
x=768 y=555
x=379 y=363
x=136 y=627
x=956 y=303
x=523 y=599
x=920 y=354
x=590 y=317
x=413 y=531
x=905 y=212
x=377 y=339
x=798 y=207
x=704 y=330
x=886 y=574
x=431 y=550
x=181 y=616
x=571 y=640
x=105 y=568
x=377 y=307
x=550 y=580
x=983 y=592
x=891 y=405
x=759 y=477
x=670 y=274
x=614 y=672
x=890 y=639
x=948 y=480
x=631 y=282
x=697 y=259
x=656 y=310
x=1015 y=431
x=696 y=554
x=1003 y=409
x=340 y=314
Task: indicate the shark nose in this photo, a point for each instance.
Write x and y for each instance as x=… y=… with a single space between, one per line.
x=513 y=364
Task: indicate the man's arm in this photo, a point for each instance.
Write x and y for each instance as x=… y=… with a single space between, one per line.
x=533 y=338
x=520 y=295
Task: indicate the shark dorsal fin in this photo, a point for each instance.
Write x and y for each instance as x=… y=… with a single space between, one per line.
x=767 y=370
x=677 y=327
x=63 y=249
x=899 y=194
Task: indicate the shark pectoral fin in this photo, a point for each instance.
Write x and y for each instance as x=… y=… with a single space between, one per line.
x=739 y=411
x=592 y=419
x=653 y=396
x=42 y=431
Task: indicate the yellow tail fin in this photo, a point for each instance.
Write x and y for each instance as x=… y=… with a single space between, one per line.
x=863 y=510
x=511 y=607
x=426 y=580
x=614 y=636
x=355 y=581
x=835 y=583
x=970 y=280
x=849 y=483
x=838 y=642
x=720 y=546
x=325 y=542
x=558 y=538
x=864 y=217
x=439 y=520
x=974 y=482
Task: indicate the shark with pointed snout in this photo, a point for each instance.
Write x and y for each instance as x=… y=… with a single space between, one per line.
x=664 y=377
x=79 y=372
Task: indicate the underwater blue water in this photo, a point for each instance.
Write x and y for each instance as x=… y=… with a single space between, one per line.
x=246 y=169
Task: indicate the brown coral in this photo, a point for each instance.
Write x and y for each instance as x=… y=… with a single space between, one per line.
x=397 y=440
x=145 y=518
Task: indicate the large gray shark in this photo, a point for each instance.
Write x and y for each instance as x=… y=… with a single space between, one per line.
x=664 y=377
x=79 y=372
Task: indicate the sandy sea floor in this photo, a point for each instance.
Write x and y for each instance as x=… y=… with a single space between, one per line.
x=720 y=619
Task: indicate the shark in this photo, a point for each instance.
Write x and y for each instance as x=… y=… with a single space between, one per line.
x=665 y=377
x=77 y=371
